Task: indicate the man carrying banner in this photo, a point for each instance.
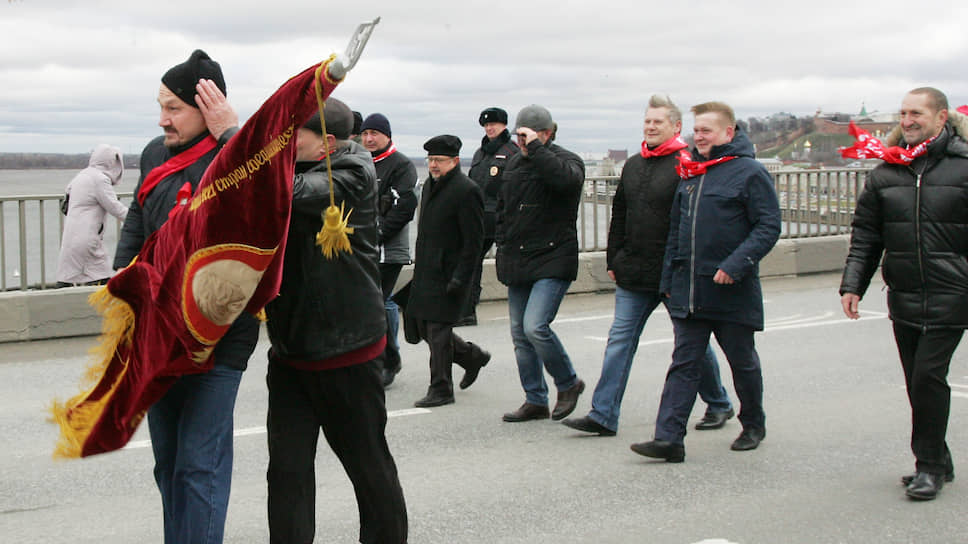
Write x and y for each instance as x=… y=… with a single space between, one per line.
x=912 y=212
x=328 y=331
x=191 y=426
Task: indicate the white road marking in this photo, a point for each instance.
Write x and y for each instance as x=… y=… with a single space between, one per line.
x=792 y=322
x=141 y=444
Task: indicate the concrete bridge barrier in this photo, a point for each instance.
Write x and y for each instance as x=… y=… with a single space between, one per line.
x=57 y=313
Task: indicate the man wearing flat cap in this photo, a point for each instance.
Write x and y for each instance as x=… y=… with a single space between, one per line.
x=450 y=231
x=328 y=330
x=537 y=258
x=487 y=169
x=191 y=426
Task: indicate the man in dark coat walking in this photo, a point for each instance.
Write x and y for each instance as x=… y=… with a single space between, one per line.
x=487 y=170
x=449 y=237
x=725 y=219
x=913 y=212
x=537 y=258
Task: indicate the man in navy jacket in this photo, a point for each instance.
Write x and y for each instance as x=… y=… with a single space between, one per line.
x=725 y=218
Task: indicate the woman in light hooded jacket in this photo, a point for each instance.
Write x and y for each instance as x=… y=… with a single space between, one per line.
x=83 y=259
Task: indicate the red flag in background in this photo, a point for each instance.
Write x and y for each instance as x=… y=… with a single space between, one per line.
x=963 y=109
x=218 y=255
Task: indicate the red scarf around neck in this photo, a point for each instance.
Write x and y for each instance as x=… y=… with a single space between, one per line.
x=175 y=164
x=390 y=151
x=665 y=148
x=688 y=168
x=869 y=147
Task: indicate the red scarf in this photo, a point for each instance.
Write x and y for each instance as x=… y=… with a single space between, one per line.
x=665 y=148
x=963 y=109
x=177 y=163
x=688 y=168
x=869 y=147
x=390 y=151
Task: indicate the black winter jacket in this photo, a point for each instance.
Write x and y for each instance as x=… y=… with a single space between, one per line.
x=728 y=219
x=235 y=347
x=450 y=234
x=640 y=221
x=397 y=178
x=328 y=307
x=916 y=216
x=487 y=170
x=537 y=212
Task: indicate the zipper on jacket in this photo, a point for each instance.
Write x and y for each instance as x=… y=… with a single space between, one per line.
x=692 y=245
x=917 y=242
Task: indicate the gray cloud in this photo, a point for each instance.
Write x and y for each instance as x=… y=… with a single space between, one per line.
x=78 y=74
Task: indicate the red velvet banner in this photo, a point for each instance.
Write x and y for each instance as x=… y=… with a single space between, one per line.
x=218 y=255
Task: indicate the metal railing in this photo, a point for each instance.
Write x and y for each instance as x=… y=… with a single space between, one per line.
x=812 y=203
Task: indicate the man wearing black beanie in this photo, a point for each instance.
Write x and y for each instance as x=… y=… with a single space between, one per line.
x=191 y=426
x=398 y=203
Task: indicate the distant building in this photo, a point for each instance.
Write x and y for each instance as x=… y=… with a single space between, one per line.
x=618 y=155
x=877 y=123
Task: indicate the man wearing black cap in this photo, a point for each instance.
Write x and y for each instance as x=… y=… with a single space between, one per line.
x=191 y=426
x=328 y=330
x=449 y=235
x=537 y=258
x=487 y=169
x=397 y=178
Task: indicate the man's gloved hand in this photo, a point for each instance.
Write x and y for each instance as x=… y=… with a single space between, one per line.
x=453 y=286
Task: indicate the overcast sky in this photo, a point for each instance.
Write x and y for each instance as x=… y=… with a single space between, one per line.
x=75 y=74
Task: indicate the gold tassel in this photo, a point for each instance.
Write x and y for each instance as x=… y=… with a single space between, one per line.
x=332 y=238
x=261 y=315
x=117 y=329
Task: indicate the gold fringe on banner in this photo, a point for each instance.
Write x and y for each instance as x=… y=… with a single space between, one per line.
x=77 y=416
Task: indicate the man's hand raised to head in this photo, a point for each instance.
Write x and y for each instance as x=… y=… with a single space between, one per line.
x=215 y=108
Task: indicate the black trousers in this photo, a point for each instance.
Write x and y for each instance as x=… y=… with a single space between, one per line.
x=476 y=279
x=445 y=348
x=348 y=403
x=925 y=357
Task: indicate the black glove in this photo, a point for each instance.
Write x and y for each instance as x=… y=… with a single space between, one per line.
x=453 y=286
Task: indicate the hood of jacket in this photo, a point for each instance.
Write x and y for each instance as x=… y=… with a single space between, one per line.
x=739 y=146
x=957 y=126
x=108 y=159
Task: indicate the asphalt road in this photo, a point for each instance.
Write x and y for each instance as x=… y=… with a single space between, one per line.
x=837 y=419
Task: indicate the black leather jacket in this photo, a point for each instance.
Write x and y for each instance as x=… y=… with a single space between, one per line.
x=537 y=212
x=328 y=307
x=916 y=216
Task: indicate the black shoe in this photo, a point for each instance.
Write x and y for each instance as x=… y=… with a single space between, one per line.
x=714 y=420
x=479 y=362
x=434 y=399
x=389 y=374
x=527 y=412
x=948 y=477
x=567 y=400
x=925 y=486
x=469 y=320
x=749 y=439
x=588 y=425
x=660 y=449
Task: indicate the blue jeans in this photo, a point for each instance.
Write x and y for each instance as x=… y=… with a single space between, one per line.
x=684 y=376
x=191 y=437
x=392 y=350
x=532 y=308
x=632 y=310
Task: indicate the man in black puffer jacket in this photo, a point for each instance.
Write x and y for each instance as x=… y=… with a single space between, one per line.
x=636 y=244
x=537 y=258
x=328 y=330
x=915 y=214
x=191 y=426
